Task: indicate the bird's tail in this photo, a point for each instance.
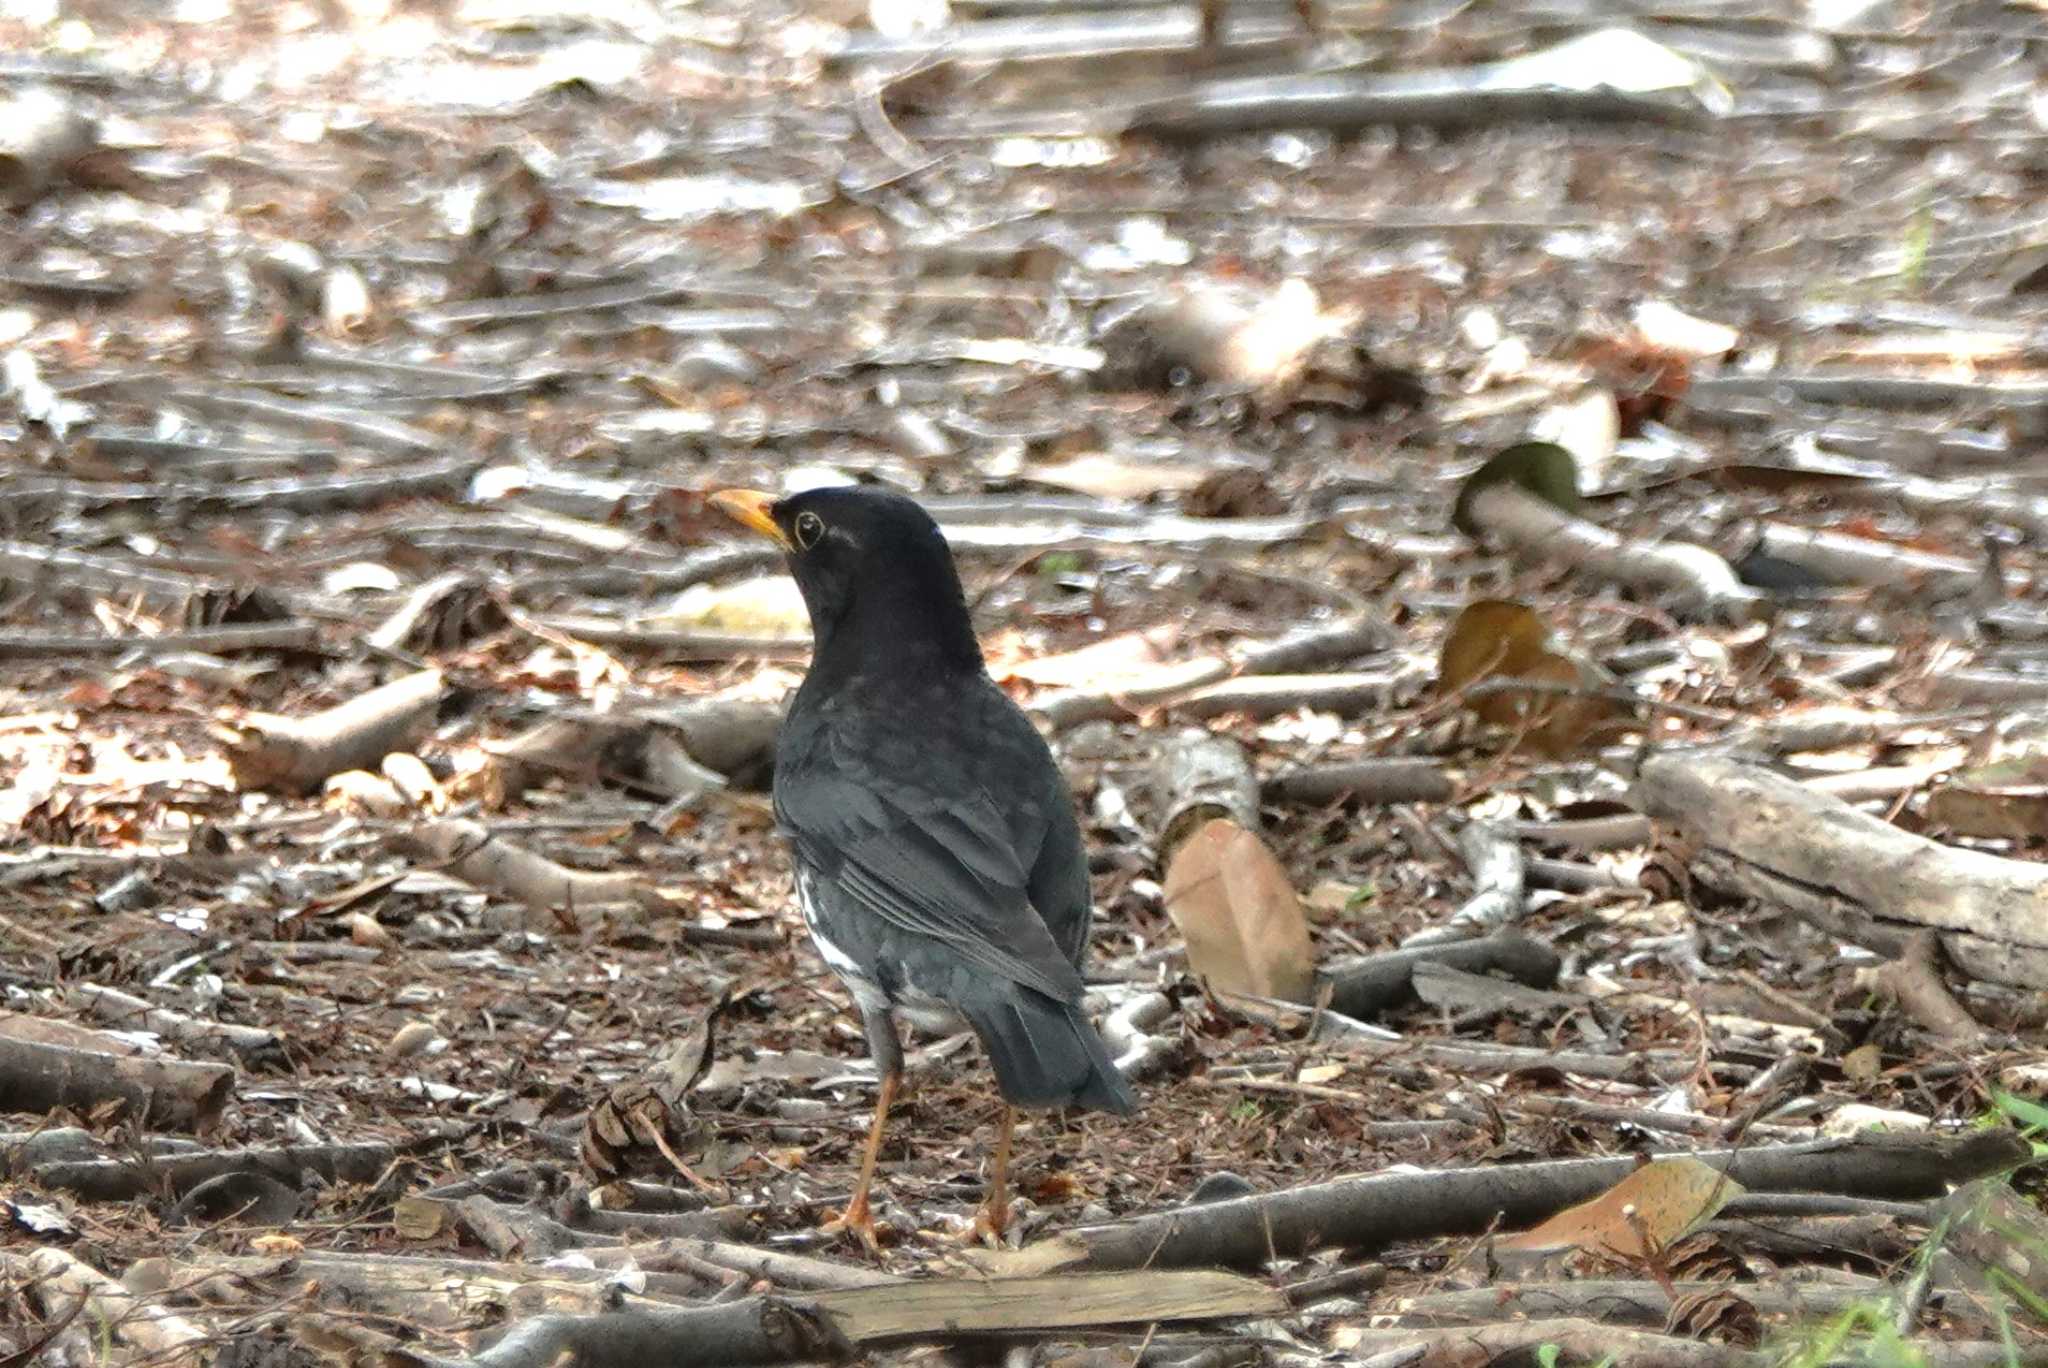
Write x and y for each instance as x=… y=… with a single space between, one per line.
x=1046 y=1054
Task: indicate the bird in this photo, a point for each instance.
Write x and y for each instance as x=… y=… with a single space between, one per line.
x=939 y=865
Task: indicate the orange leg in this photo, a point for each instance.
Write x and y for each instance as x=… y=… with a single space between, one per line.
x=858 y=1216
x=995 y=1212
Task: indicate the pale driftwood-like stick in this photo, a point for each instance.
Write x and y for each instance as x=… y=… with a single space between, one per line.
x=1349 y=694
x=58 y=1276
x=47 y=1064
x=423 y=1290
x=1913 y=980
x=470 y=853
x=1574 y=1340
x=799 y=1272
x=297 y=754
x=1305 y=650
x=555 y=892
x=1842 y=559
x=1696 y=577
x=1370 y=1212
x=1499 y=879
x=1199 y=775
x=832 y=1325
x=1865 y=878
x=116 y=1008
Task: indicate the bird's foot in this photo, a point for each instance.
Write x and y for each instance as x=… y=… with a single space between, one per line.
x=858 y=1219
x=988 y=1226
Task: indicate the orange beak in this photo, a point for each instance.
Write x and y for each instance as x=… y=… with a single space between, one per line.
x=750 y=509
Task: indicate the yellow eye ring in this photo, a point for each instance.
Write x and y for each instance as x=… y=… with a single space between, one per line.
x=809 y=527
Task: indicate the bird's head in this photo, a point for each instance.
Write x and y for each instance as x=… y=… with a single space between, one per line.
x=874 y=570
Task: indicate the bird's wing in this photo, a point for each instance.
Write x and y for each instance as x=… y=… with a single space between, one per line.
x=942 y=864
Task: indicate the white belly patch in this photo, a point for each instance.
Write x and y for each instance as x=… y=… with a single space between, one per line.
x=924 y=1012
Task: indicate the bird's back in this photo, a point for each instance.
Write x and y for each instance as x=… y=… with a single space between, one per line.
x=942 y=852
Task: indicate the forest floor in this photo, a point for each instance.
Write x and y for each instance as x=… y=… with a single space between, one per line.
x=370 y=363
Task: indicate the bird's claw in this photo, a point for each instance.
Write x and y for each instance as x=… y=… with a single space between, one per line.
x=858 y=1219
x=987 y=1227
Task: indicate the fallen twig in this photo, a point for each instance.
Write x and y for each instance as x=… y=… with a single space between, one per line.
x=1370 y=1212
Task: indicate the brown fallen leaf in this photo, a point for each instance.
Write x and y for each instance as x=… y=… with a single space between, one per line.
x=1498 y=639
x=1644 y=1213
x=1243 y=923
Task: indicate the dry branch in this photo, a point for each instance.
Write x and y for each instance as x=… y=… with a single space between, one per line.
x=1616 y=1301
x=1296 y=651
x=831 y=1325
x=1390 y=779
x=166 y=1339
x=132 y=1013
x=1913 y=980
x=1851 y=872
x=1696 y=578
x=552 y=891
x=297 y=754
x=1367 y=987
x=115 y=1180
x=48 y=1064
x=1499 y=879
x=1371 y=1212
x=255 y=636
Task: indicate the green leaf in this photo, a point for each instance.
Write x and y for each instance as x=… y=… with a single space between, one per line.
x=1545 y=469
x=2027 y=1113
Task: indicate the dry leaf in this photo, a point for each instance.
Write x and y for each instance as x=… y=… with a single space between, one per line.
x=1243 y=924
x=1498 y=639
x=1660 y=1202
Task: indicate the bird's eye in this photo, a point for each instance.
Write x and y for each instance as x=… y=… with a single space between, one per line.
x=809 y=527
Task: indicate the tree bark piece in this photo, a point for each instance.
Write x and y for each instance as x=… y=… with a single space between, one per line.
x=1200 y=775
x=1698 y=579
x=1841 y=559
x=48 y=1064
x=1368 y=987
x=1856 y=874
x=831 y=1325
x=297 y=754
x=1371 y=1212
x=785 y=1270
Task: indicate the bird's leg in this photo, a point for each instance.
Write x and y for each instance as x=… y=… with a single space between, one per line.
x=995 y=1212
x=859 y=1217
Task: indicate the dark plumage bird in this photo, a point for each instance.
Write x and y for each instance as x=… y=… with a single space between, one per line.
x=938 y=863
